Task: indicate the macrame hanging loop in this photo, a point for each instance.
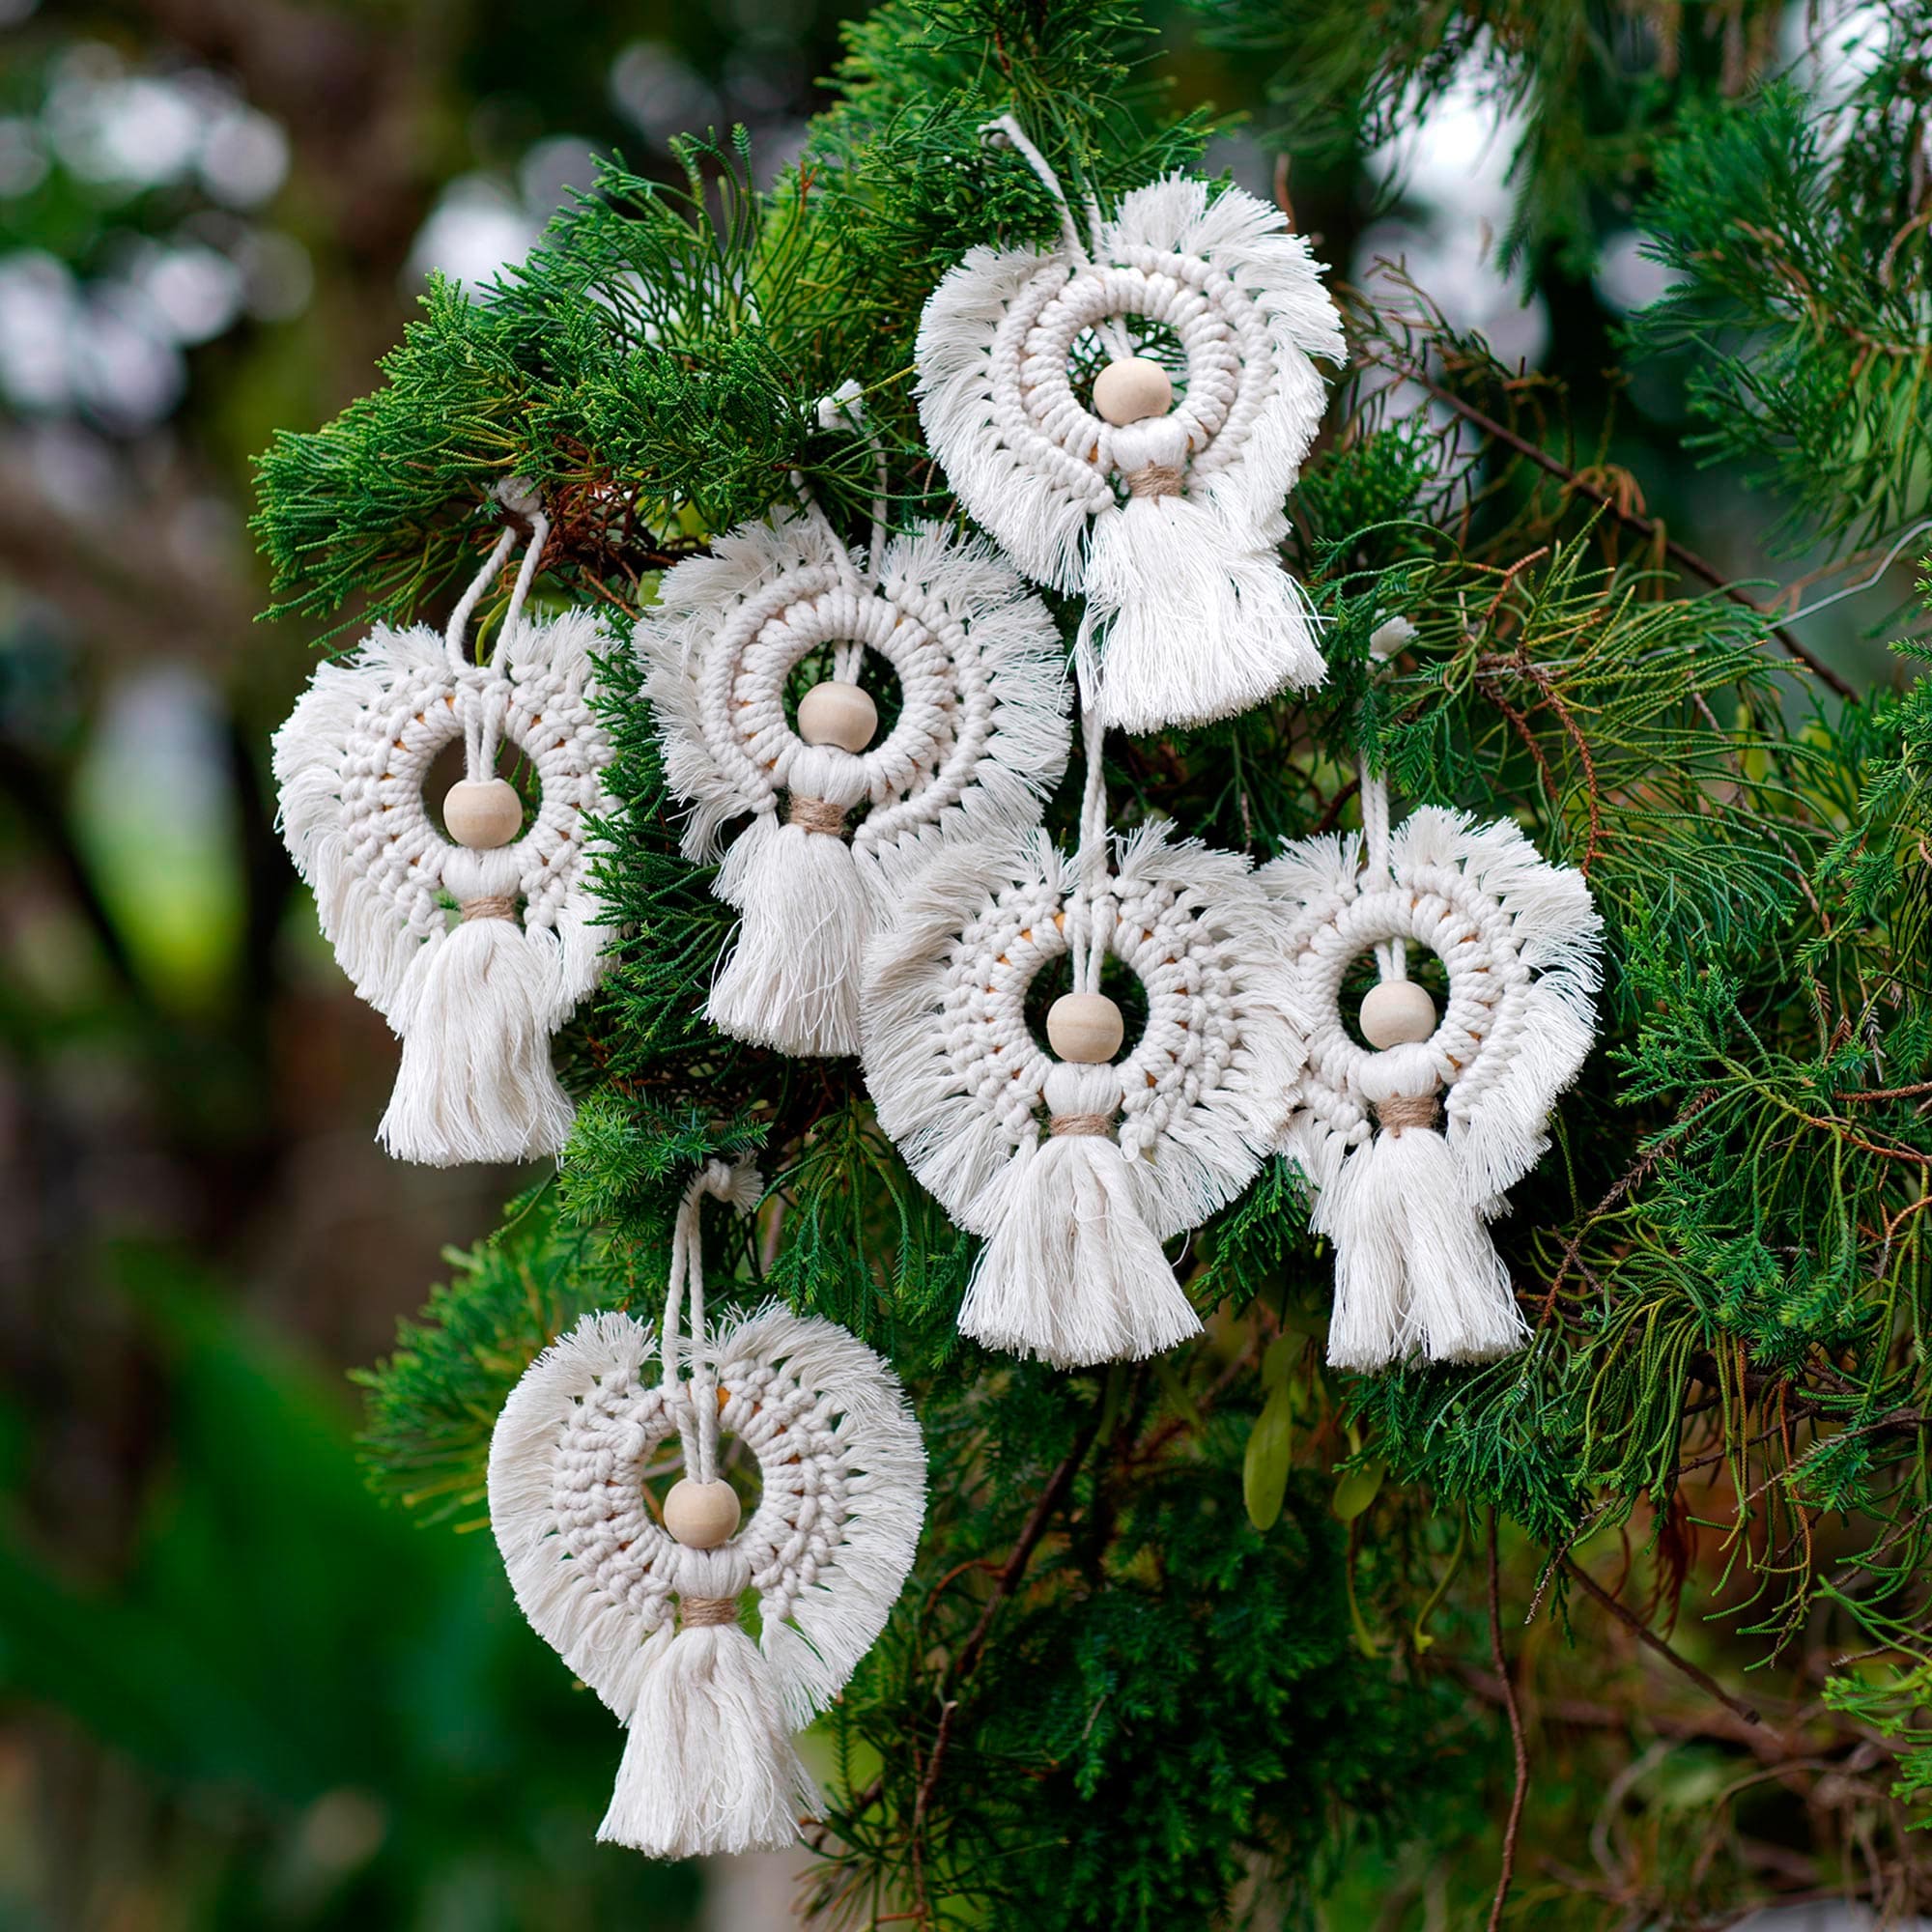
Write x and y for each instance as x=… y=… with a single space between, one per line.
x=1155 y=484
x=645 y=1606
x=475 y=997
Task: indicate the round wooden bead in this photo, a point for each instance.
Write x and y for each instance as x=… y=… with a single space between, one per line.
x=702 y=1515
x=1131 y=388
x=1396 y=1013
x=1085 y=1028
x=838 y=714
x=482 y=814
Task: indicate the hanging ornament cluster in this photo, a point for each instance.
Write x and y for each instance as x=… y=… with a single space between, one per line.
x=1410 y=1141
x=1160 y=502
x=1077 y=1164
x=474 y=1000
x=978 y=740
x=644 y=1604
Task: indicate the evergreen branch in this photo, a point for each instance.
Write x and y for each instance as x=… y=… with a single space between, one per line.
x=1632 y=520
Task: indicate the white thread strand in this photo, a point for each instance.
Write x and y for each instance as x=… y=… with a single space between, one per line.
x=456 y=634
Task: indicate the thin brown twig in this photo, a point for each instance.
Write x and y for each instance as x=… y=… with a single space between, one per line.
x=1645 y=526
x=1701 y=1677
x=1517 y=1742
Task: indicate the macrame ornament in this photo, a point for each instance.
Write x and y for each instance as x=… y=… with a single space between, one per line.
x=1074 y=1164
x=1410 y=1141
x=980 y=738
x=475 y=997
x=1163 y=503
x=646 y=1608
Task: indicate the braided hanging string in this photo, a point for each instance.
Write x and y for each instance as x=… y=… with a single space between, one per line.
x=687 y=1282
x=1006 y=131
x=483 y=724
x=1391 y=954
x=1090 y=913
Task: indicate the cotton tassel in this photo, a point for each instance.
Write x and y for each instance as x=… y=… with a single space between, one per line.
x=1414 y=1266
x=792 y=978
x=1198 y=620
x=708 y=1762
x=1073 y=1272
x=475 y=1019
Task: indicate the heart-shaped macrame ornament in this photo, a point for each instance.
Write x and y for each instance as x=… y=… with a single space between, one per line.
x=1155 y=484
x=1410 y=1141
x=475 y=937
x=643 y=1601
x=841 y=814
x=1076 y=1164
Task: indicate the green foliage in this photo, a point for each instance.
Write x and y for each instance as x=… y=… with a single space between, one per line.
x=1190 y=1634
x=1798 y=241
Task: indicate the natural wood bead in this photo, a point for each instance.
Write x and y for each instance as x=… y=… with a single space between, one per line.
x=702 y=1515
x=838 y=714
x=1397 y=1012
x=482 y=814
x=1085 y=1028
x=1131 y=388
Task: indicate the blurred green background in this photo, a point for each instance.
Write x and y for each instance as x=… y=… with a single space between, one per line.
x=233 y=1689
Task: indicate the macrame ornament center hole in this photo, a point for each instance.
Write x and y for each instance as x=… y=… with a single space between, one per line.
x=1118 y=981
x=877 y=679
x=737 y=1464
x=449 y=768
x=1423 y=965
x=1154 y=341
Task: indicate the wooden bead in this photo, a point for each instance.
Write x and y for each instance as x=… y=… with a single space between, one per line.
x=838 y=714
x=482 y=814
x=1085 y=1028
x=1397 y=1012
x=1131 y=388
x=702 y=1515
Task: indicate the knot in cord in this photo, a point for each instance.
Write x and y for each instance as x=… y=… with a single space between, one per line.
x=1155 y=479
x=489 y=905
x=817 y=814
x=1099 y=1125
x=703 y=1612
x=1403 y=1110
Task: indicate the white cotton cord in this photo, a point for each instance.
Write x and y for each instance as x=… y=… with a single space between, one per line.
x=1007 y=131
x=1884 y=563
x=1087 y=912
x=1392 y=956
x=456 y=637
x=847 y=653
x=686 y=1283
x=846 y=403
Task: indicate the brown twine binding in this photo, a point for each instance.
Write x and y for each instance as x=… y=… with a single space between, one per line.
x=817 y=814
x=1400 y=1111
x=703 y=1612
x=491 y=905
x=1157 y=479
x=1081 y=1124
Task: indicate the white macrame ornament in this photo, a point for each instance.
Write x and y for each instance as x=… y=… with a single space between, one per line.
x=980 y=740
x=646 y=1610
x=1411 y=1141
x=473 y=998
x=1163 y=506
x=1074 y=1165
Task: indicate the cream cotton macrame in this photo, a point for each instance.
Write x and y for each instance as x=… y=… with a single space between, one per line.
x=1074 y=1165
x=980 y=739
x=475 y=998
x=1405 y=1203
x=1169 y=521
x=642 y=1604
